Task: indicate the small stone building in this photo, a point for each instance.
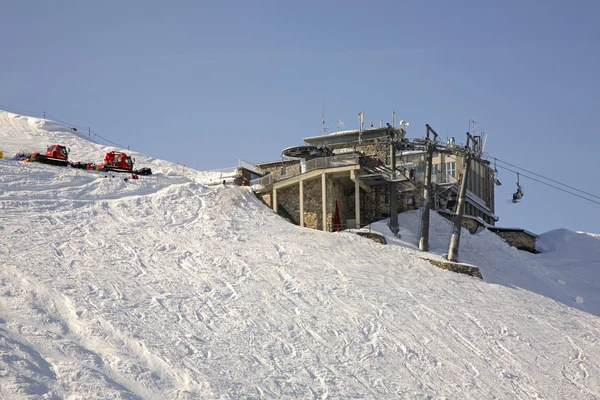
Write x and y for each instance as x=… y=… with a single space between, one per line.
x=517 y=237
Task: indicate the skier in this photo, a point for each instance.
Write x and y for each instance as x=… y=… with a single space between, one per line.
x=518 y=195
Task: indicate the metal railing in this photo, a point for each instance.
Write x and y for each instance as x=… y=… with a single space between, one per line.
x=443 y=177
x=317 y=163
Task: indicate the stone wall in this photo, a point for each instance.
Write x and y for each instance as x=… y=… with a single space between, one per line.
x=288 y=198
x=376 y=237
x=470 y=224
x=520 y=239
x=371 y=203
x=456 y=267
x=267 y=198
x=372 y=150
x=313 y=217
x=277 y=166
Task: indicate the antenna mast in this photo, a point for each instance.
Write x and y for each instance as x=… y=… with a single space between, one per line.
x=323 y=128
x=477 y=145
x=472 y=124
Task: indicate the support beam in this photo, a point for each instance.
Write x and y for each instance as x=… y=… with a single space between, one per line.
x=324 y=200
x=355 y=179
x=274 y=200
x=357 y=204
x=315 y=174
x=301 y=185
x=394 y=208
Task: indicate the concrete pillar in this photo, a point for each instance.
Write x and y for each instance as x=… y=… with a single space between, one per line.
x=324 y=200
x=357 y=203
x=275 y=200
x=301 y=184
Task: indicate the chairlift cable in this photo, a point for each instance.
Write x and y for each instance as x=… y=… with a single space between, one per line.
x=541 y=176
x=552 y=186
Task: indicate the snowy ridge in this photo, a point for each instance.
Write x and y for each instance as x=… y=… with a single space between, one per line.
x=174 y=290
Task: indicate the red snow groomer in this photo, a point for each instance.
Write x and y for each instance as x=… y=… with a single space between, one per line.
x=118 y=161
x=56 y=154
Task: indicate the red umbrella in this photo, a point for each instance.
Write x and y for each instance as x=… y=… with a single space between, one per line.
x=337 y=220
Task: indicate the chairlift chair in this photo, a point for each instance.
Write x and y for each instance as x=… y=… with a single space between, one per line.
x=518 y=195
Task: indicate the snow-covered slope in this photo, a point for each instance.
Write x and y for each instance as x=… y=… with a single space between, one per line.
x=174 y=290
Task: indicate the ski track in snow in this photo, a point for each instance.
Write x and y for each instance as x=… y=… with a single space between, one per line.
x=174 y=290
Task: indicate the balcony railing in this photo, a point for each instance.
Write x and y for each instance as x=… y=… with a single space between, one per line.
x=442 y=178
x=439 y=177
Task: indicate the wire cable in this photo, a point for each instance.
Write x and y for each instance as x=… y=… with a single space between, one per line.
x=541 y=176
x=552 y=186
x=17 y=111
x=69 y=125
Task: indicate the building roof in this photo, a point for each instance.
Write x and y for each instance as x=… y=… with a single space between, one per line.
x=266 y=164
x=347 y=136
x=500 y=229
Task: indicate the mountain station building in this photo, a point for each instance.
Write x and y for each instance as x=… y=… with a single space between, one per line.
x=343 y=180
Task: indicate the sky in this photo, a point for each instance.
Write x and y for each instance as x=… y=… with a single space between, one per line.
x=209 y=83
x=165 y=287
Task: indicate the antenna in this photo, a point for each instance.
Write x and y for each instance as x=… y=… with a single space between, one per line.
x=472 y=124
x=323 y=128
x=361 y=121
x=485 y=136
x=476 y=139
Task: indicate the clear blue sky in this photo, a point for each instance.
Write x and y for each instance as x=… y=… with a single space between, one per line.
x=208 y=83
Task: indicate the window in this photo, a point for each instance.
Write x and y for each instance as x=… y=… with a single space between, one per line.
x=451 y=169
x=448 y=170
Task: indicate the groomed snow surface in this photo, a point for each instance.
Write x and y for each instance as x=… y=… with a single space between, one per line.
x=165 y=288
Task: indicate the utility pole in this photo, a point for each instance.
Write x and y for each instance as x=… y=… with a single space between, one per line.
x=460 y=208
x=393 y=186
x=424 y=237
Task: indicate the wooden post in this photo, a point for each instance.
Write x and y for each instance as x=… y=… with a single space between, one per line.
x=301 y=184
x=357 y=204
x=324 y=200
